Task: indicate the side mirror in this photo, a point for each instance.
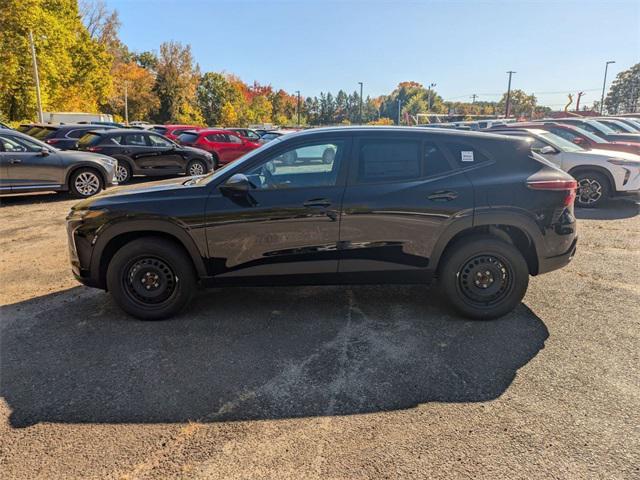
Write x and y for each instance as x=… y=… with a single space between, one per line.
x=548 y=150
x=578 y=141
x=45 y=152
x=237 y=184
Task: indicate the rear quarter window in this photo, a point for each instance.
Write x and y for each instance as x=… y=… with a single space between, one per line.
x=465 y=155
x=89 y=139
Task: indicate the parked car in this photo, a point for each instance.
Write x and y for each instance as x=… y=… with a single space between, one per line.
x=246 y=133
x=5 y=126
x=273 y=134
x=578 y=136
x=65 y=137
x=632 y=122
x=172 y=132
x=28 y=165
x=600 y=173
x=140 y=152
x=224 y=145
x=600 y=129
x=617 y=125
x=477 y=211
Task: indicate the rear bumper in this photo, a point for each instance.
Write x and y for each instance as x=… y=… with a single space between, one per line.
x=558 y=261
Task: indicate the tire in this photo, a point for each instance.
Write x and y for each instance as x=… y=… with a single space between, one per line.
x=123 y=172
x=165 y=274
x=85 y=182
x=216 y=161
x=483 y=277
x=196 y=167
x=593 y=189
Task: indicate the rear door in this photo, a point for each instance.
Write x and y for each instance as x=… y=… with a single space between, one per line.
x=137 y=146
x=403 y=191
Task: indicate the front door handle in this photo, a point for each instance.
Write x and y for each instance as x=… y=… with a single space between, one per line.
x=443 y=196
x=317 y=202
x=13 y=161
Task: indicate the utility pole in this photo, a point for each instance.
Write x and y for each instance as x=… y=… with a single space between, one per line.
x=429 y=101
x=473 y=98
x=508 y=102
x=360 y=102
x=36 y=77
x=604 y=83
x=580 y=94
x=126 y=104
x=399 y=110
x=298 y=108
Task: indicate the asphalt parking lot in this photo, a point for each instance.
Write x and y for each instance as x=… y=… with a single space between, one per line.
x=319 y=382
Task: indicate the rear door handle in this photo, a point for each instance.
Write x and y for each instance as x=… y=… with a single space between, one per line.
x=443 y=196
x=317 y=202
x=13 y=161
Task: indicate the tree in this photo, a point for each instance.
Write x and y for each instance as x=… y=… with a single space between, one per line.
x=624 y=94
x=521 y=104
x=213 y=93
x=142 y=100
x=74 y=68
x=176 y=84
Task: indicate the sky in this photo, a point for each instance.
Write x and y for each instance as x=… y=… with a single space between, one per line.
x=464 y=47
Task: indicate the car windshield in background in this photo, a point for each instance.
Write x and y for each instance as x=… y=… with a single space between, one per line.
x=560 y=143
x=188 y=137
x=270 y=136
x=89 y=139
x=602 y=127
x=160 y=130
x=590 y=136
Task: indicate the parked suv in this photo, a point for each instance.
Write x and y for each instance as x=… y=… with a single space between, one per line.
x=65 y=137
x=172 y=132
x=479 y=212
x=225 y=146
x=145 y=153
x=28 y=165
x=600 y=173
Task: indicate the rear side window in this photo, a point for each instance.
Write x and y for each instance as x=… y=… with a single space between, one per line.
x=136 y=140
x=188 y=137
x=76 y=133
x=435 y=162
x=466 y=155
x=217 y=137
x=388 y=160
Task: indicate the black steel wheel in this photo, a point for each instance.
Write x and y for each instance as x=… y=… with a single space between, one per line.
x=483 y=277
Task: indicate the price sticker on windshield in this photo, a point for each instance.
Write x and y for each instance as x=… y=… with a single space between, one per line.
x=466 y=156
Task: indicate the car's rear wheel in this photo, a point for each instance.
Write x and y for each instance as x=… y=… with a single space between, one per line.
x=196 y=167
x=85 y=182
x=123 y=172
x=484 y=277
x=151 y=278
x=593 y=189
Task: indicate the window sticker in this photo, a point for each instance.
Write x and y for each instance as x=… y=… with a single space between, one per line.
x=466 y=156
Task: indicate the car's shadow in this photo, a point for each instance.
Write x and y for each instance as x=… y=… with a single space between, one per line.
x=613 y=209
x=253 y=353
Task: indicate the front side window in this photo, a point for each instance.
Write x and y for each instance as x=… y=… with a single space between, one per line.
x=566 y=134
x=234 y=139
x=19 y=144
x=315 y=165
x=10 y=145
x=388 y=160
x=157 y=141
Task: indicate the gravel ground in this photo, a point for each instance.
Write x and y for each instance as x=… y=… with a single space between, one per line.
x=326 y=382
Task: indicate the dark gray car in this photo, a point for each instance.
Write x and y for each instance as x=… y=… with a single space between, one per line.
x=28 y=165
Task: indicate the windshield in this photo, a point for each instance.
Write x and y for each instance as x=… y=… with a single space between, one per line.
x=602 y=127
x=245 y=158
x=589 y=135
x=560 y=143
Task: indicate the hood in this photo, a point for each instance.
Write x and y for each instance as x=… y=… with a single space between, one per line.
x=86 y=156
x=606 y=154
x=115 y=194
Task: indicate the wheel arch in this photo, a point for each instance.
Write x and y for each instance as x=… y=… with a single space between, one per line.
x=110 y=241
x=91 y=166
x=597 y=169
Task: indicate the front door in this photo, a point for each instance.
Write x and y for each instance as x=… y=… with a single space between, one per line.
x=167 y=156
x=402 y=193
x=30 y=165
x=287 y=225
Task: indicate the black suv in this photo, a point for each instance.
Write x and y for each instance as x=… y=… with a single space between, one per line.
x=145 y=153
x=479 y=212
x=64 y=137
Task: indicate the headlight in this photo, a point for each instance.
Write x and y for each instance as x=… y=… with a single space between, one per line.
x=624 y=163
x=85 y=214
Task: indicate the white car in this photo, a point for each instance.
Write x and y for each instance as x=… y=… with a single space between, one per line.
x=600 y=173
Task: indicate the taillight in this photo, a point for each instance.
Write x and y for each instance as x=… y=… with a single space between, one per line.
x=94 y=149
x=52 y=141
x=569 y=186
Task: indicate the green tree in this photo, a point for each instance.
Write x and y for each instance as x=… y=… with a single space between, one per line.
x=521 y=104
x=176 y=84
x=624 y=94
x=74 y=68
x=213 y=93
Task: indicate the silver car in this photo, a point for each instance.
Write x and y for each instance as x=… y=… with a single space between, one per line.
x=28 y=165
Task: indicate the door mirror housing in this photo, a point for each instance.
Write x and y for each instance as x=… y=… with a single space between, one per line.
x=548 y=150
x=45 y=152
x=237 y=184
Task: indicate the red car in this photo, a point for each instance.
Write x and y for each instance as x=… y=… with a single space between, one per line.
x=578 y=136
x=172 y=132
x=224 y=145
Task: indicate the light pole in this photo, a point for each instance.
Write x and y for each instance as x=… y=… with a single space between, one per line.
x=36 y=77
x=298 y=108
x=360 y=102
x=604 y=83
x=399 y=110
x=126 y=104
x=508 y=102
x=429 y=98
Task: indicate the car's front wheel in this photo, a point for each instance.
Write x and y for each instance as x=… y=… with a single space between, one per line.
x=483 y=277
x=593 y=189
x=85 y=182
x=151 y=278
